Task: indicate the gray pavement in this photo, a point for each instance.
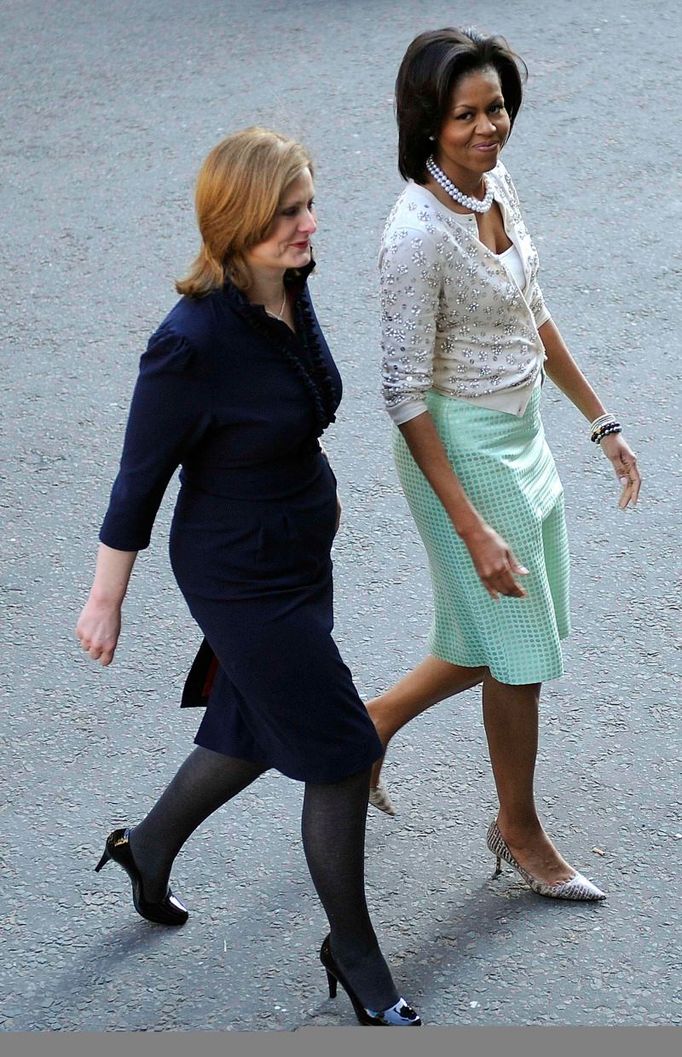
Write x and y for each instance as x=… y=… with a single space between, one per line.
x=108 y=111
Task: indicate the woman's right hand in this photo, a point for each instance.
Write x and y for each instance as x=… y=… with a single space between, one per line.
x=492 y=557
x=98 y=629
x=495 y=562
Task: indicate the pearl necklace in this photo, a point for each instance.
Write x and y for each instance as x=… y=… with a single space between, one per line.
x=478 y=205
x=280 y=314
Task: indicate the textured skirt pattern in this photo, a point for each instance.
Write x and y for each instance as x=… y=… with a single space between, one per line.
x=508 y=473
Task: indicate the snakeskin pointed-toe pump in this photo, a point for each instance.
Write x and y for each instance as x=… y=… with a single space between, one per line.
x=379 y=798
x=577 y=887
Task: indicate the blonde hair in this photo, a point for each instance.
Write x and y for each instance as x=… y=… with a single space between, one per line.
x=238 y=189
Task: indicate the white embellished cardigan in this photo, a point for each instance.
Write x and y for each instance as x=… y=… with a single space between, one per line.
x=452 y=318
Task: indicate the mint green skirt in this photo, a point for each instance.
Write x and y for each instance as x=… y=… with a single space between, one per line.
x=508 y=473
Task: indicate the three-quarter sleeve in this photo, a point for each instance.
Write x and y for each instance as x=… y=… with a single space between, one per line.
x=167 y=418
x=410 y=290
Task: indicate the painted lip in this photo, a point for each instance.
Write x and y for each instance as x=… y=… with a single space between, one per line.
x=301 y=245
x=486 y=148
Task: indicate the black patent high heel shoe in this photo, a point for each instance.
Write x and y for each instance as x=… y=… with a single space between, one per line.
x=167 y=911
x=400 y=1015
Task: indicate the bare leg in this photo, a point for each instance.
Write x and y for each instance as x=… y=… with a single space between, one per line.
x=431 y=681
x=510 y=716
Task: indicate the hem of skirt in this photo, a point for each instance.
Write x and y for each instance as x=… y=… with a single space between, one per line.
x=236 y=755
x=298 y=776
x=502 y=677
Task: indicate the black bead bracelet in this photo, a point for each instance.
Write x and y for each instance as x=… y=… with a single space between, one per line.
x=605 y=430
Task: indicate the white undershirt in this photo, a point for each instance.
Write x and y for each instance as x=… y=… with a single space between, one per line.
x=511 y=259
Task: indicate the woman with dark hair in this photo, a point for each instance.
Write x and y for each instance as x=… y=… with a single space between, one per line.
x=467 y=342
x=236 y=386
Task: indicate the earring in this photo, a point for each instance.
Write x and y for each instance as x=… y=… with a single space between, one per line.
x=432 y=138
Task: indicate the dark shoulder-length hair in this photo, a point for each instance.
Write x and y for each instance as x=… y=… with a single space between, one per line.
x=431 y=67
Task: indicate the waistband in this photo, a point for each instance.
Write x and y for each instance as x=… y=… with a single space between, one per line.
x=273 y=480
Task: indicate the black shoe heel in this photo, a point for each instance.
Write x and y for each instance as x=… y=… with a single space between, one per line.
x=167 y=911
x=331 y=980
x=103 y=861
x=397 y=1016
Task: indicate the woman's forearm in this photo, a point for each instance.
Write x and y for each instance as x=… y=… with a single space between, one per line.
x=566 y=375
x=493 y=559
x=99 y=624
x=112 y=575
x=427 y=450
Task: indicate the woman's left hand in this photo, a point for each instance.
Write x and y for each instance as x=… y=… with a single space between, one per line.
x=624 y=464
x=338 y=514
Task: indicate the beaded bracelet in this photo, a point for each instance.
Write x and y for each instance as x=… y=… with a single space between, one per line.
x=605 y=431
x=602 y=420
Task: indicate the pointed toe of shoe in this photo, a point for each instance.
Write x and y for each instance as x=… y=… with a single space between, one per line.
x=168 y=911
x=398 y=1016
x=578 y=887
x=379 y=798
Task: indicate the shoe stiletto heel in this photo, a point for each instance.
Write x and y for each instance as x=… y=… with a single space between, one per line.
x=103 y=861
x=577 y=887
x=331 y=981
x=400 y=1015
x=167 y=911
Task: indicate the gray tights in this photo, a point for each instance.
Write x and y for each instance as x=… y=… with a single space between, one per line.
x=333 y=831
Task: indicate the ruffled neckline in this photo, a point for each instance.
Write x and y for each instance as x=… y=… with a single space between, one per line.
x=295 y=280
x=302 y=350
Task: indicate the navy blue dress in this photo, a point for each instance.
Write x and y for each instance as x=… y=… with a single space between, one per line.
x=238 y=401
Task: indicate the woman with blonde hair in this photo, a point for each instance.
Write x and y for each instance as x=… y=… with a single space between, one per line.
x=236 y=386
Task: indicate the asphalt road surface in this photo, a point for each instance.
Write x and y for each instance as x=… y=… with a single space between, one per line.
x=108 y=110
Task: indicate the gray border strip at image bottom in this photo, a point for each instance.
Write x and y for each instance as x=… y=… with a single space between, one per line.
x=334 y=1042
